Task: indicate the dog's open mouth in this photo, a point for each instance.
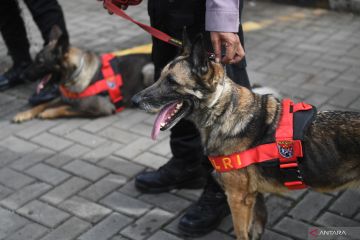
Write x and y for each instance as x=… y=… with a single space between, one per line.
x=169 y=115
x=43 y=83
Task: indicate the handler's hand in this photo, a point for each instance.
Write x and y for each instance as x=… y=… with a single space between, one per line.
x=234 y=51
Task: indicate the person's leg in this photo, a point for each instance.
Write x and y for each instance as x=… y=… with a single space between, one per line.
x=13 y=31
x=184 y=169
x=46 y=14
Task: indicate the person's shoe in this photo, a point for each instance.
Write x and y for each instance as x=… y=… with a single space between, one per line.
x=206 y=214
x=171 y=176
x=46 y=94
x=13 y=76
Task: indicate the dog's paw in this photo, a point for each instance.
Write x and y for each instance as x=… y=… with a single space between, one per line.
x=22 y=117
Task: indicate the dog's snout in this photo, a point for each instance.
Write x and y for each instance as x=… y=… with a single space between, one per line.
x=136 y=99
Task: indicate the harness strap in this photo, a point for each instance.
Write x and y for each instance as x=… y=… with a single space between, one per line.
x=111 y=83
x=285 y=149
x=284 y=135
x=261 y=153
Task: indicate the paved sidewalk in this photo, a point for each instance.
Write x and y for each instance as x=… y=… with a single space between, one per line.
x=73 y=179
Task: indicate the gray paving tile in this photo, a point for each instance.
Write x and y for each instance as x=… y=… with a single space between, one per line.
x=65 y=190
x=67 y=155
x=103 y=187
x=148 y=224
x=118 y=135
x=99 y=124
x=166 y=201
x=13 y=179
x=37 y=128
x=24 y=195
x=85 y=138
x=101 y=152
x=151 y=160
x=31 y=159
x=314 y=201
x=86 y=170
x=126 y=205
x=106 y=228
x=68 y=230
x=346 y=205
x=293 y=228
x=331 y=219
x=162 y=235
x=85 y=209
x=47 y=174
x=51 y=141
x=18 y=145
x=43 y=213
x=121 y=166
x=10 y=222
x=135 y=148
x=31 y=231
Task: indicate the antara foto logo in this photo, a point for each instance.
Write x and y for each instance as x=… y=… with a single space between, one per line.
x=314 y=232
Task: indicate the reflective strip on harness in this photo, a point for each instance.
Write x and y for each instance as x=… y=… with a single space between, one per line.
x=285 y=149
x=111 y=83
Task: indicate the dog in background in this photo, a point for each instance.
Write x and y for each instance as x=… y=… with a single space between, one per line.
x=232 y=119
x=75 y=70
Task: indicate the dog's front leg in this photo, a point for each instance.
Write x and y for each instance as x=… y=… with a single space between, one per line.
x=242 y=211
x=60 y=112
x=34 y=112
x=241 y=196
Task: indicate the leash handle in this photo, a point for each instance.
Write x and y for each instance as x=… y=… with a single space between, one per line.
x=153 y=31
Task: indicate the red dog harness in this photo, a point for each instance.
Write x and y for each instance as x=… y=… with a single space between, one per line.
x=285 y=149
x=111 y=83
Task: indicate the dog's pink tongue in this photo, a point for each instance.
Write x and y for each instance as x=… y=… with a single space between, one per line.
x=160 y=118
x=42 y=83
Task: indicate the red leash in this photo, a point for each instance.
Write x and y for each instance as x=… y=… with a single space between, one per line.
x=153 y=31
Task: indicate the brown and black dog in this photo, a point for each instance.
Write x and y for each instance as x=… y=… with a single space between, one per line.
x=233 y=119
x=75 y=69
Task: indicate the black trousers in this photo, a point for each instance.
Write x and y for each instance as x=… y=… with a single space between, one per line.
x=45 y=13
x=171 y=16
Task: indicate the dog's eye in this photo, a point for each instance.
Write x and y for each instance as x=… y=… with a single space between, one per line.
x=171 y=80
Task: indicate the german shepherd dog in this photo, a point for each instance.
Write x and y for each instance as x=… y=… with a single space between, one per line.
x=57 y=63
x=232 y=119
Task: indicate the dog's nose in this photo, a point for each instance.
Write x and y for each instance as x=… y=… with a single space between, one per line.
x=136 y=99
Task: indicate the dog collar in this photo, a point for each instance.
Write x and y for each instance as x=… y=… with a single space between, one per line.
x=218 y=94
x=285 y=149
x=79 y=69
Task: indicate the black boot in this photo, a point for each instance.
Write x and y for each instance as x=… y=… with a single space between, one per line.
x=48 y=93
x=13 y=76
x=173 y=175
x=207 y=213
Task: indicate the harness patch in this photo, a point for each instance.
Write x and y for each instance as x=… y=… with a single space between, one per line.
x=286 y=149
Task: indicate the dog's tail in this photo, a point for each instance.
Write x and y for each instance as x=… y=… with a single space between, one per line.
x=263 y=90
x=148 y=72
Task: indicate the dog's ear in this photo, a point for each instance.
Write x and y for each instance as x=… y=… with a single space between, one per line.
x=58 y=41
x=199 y=57
x=186 y=44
